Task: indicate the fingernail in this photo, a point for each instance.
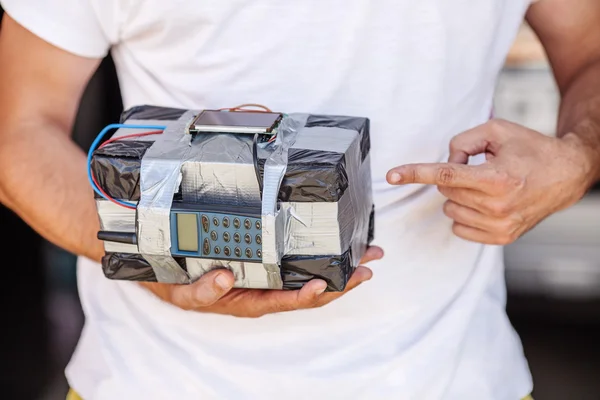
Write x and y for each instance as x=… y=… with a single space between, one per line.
x=320 y=289
x=395 y=177
x=222 y=282
x=376 y=254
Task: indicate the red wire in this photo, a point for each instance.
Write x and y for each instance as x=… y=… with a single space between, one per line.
x=130 y=136
x=107 y=196
x=243 y=107
x=114 y=139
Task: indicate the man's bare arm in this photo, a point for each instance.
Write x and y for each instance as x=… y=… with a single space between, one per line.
x=570 y=33
x=528 y=176
x=42 y=172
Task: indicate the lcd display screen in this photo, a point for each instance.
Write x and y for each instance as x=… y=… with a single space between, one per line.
x=187 y=232
x=222 y=121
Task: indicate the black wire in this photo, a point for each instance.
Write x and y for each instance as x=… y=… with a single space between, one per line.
x=255 y=159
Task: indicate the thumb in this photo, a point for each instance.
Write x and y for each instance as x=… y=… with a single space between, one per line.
x=204 y=292
x=471 y=143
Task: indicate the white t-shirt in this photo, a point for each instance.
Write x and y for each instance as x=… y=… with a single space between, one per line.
x=432 y=323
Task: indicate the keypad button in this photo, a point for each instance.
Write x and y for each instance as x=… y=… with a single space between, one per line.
x=247 y=224
x=226 y=222
x=248 y=238
x=238 y=252
x=237 y=237
x=258 y=239
x=258 y=253
x=226 y=236
x=214 y=236
x=227 y=251
x=216 y=221
x=217 y=250
x=258 y=226
x=205 y=223
x=249 y=253
x=236 y=223
x=206 y=247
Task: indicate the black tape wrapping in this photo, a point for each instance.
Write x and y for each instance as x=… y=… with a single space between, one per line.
x=127 y=267
x=360 y=125
x=296 y=271
x=116 y=168
x=371 y=235
x=131 y=267
x=312 y=176
x=148 y=112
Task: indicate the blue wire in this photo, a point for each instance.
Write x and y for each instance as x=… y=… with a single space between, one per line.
x=97 y=141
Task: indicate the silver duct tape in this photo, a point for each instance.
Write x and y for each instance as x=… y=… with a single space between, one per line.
x=224 y=174
x=359 y=184
x=322 y=138
x=247 y=275
x=319 y=228
x=314 y=229
x=274 y=221
x=117 y=219
x=110 y=247
x=114 y=217
x=160 y=176
x=347 y=221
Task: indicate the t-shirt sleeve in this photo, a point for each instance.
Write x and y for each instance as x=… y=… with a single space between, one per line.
x=72 y=25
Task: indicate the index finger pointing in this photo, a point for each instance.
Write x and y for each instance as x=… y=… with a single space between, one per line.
x=441 y=174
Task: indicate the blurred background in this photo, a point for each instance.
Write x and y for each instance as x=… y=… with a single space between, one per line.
x=553 y=273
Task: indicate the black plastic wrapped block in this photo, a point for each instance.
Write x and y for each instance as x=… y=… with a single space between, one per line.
x=116 y=168
x=130 y=267
x=296 y=271
x=156 y=113
x=314 y=174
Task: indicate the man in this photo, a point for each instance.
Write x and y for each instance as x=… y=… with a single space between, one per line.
x=431 y=322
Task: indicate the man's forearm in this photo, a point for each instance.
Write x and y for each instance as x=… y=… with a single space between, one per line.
x=580 y=116
x=43 y=179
